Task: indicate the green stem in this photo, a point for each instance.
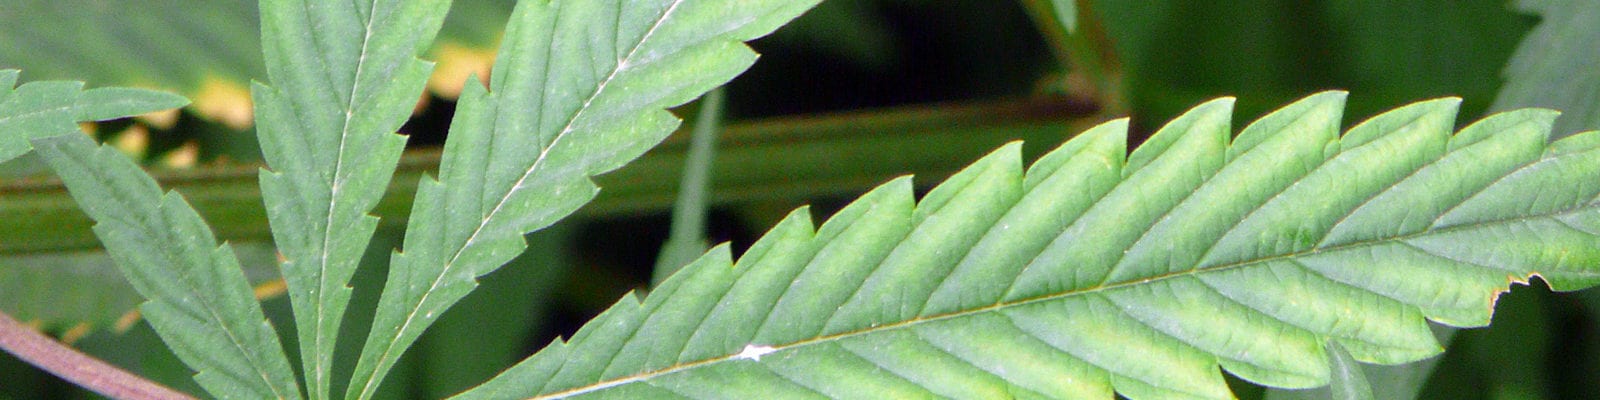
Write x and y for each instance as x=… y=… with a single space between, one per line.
x=787 y=159
x=1348 y=382
x=687 y=239
x=1085 y=54
x=1051 y=28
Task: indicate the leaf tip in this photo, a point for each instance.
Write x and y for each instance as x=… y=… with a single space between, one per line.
x=1336 y=96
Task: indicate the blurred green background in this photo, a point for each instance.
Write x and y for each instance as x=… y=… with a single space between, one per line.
x=851 y=95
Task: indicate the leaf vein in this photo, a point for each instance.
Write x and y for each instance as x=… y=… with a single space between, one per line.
x=778 y=347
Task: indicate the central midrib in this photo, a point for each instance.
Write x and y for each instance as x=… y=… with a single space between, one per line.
x=1047 y=298
x=601 y=86
x=319 y=365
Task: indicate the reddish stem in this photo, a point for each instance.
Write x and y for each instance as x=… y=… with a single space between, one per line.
x=69 y=364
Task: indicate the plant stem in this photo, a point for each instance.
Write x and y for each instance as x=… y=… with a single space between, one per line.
x=1051 y=28
x=81 y=369
x=688 y=237
x=788 y=158
x=1085 y=54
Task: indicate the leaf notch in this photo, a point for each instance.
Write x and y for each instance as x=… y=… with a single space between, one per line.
x=1093 y=272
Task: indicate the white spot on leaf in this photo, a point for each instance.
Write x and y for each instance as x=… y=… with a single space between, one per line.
x=754 y=352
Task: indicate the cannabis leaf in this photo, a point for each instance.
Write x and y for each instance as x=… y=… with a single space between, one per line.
x=579 y=89
x=1553 y=65
x=1094 y=271
x=50 y=108
x=85 y=289
x=200 y=302
x=1348 y=381
x=1066 y=13
x=210 y=54
x=347 y=76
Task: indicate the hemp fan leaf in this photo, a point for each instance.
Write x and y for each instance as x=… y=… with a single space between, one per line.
x=580 y=88
x=53 y=108
x=346 y=76
x=199 y=300
x=1093 y=272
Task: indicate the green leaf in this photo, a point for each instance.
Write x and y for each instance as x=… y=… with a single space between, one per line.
x=1402 y=381
x=579 y=89
x=851 y=31
x=1093 y=271
x=50 y=108
x=490 y=329
x=200 y=302
x=68 y=289
x=1349 y=382
x=345 y=78
x=210 y=54
x=1066 y=13
x=1550 y=68
x=80 y=287
x=134 y=42
x=1554 y=65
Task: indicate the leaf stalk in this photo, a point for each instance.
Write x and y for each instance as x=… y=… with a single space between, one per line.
x=73 y=366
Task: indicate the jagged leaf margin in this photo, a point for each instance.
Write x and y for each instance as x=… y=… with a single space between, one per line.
x=580 y=88
x=345 y=76
x=1096 y=271
x=78 y=292
x=1551 y=69
x=200 y=302
x=52 y=108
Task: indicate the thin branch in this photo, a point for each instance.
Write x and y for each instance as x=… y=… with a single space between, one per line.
x=69 y=364
x=784 y=158
x=687 y=239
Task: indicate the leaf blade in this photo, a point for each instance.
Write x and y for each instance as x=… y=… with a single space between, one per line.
x=199 y=299
x=1550 y=67
x=1066 y=13
x=328 y=135
x=86 y=290
x=1262 y=308
x=599 y=103
x=1349 y=381
x=51 y=108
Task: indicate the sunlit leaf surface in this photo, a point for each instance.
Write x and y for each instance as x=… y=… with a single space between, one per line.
x=1092 y=272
